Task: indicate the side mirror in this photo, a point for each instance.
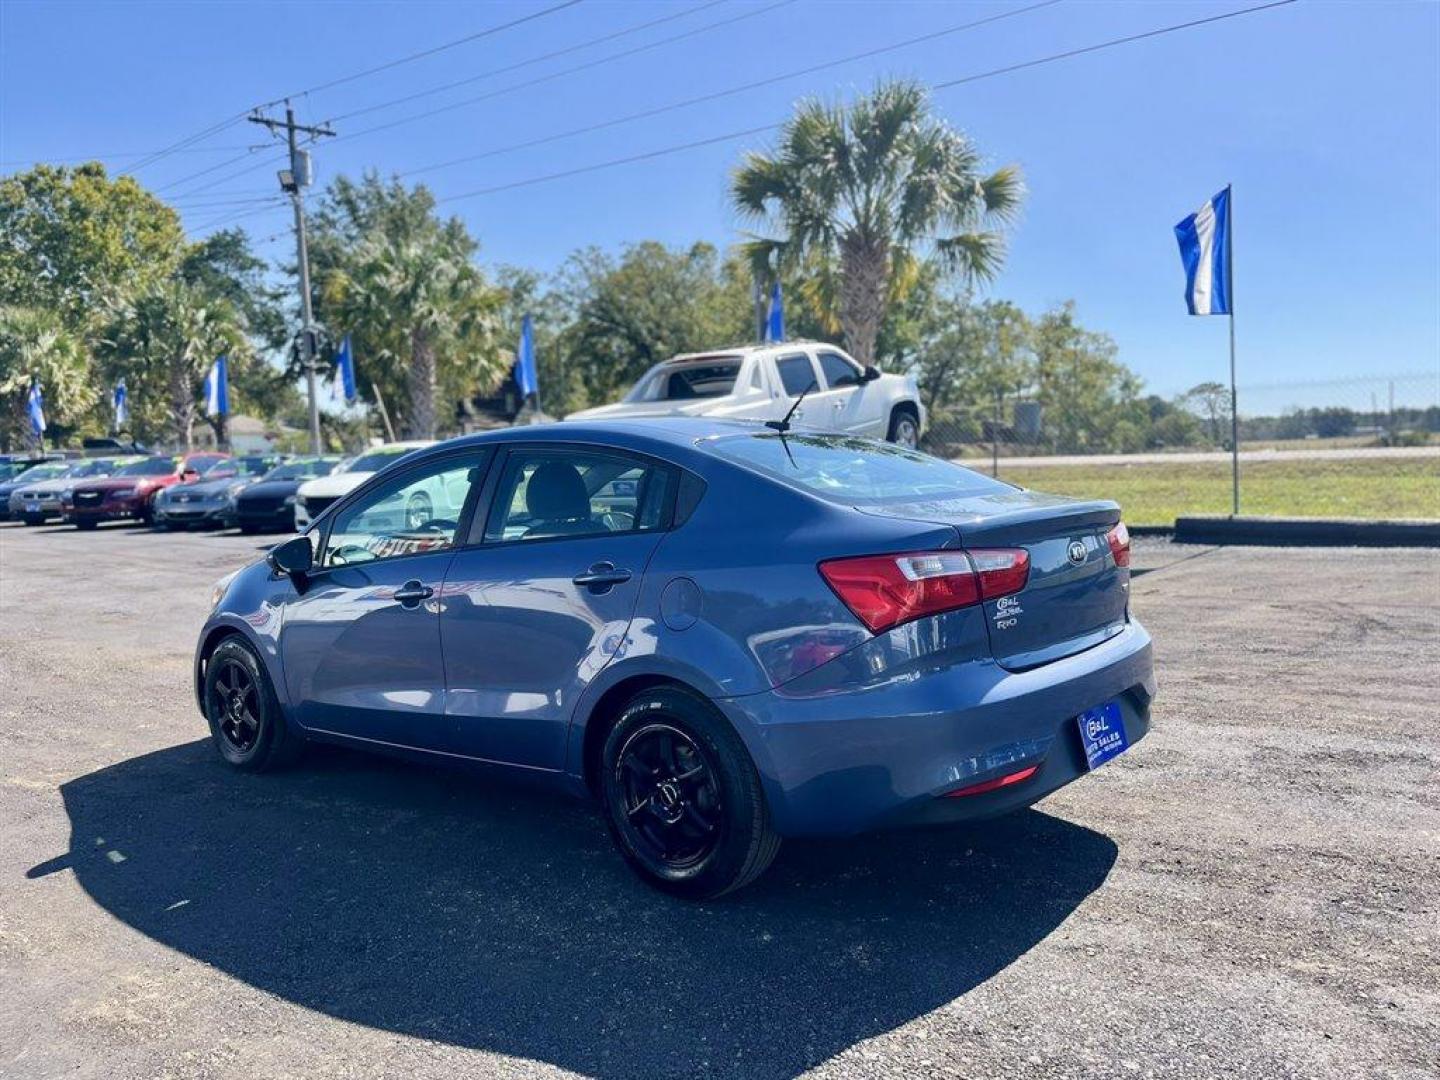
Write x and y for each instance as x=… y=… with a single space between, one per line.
x=871 y=373
x=293 y=557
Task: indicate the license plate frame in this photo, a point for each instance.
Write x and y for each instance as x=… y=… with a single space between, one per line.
x=1102 y=734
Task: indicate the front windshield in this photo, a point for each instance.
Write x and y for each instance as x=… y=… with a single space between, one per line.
x=376 y=460
x=47 y=470
x=244 y=466
x=155 y=466
x=299 y=470
x=97 y=467
x=685 y=382
x=853 y=470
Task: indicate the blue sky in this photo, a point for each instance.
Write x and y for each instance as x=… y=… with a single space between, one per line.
x=1325 y=116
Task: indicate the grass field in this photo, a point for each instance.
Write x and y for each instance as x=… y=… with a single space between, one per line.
x=1155 y=494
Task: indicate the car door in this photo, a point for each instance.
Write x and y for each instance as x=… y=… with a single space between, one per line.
x=848 y=400
x=542 y=603
x=361 y=644
x=798 y=374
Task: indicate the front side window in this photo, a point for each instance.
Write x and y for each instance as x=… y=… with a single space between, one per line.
x=545 y=494
x=796 y=374
x=412 y=514
x=840 y=372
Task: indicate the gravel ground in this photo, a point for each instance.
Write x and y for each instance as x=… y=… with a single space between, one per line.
x=1252 y=891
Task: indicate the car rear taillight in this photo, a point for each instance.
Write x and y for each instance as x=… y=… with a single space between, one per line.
x=886 y=590
x=1119 y=540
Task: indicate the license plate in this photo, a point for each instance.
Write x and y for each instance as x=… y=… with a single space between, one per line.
x=32 y=508
x=1102 y=731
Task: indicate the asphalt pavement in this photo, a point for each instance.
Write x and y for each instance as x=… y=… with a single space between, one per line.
x=1252 y=891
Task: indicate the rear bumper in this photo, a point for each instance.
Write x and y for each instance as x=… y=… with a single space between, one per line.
x=888 y=754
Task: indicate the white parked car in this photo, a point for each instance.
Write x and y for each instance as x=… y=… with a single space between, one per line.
x=313 y=497
x=761 y=382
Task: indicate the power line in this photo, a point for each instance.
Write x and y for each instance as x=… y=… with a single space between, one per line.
x=992 y=73
x=623 y=54
x=205 y=133
x=422 y=54
x=728 y=92
x=116 y=155
x=555 y=54
x=490 y=94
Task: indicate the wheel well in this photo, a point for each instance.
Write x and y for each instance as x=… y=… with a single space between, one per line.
x=212 y=642
x=606 y=712
x=905 y=407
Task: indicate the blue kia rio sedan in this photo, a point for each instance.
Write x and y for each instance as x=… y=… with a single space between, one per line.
x=724 y=634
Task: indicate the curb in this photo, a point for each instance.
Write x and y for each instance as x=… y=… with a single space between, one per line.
x=1310 y=532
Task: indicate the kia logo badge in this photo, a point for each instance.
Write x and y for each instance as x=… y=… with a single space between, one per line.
x=1076 y=551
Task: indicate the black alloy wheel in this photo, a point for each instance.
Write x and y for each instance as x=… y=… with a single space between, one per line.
x=235 y=705
x=682 y=797
x=246 y=723
x=672 y=802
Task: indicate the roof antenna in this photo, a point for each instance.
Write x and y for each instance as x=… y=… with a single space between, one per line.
x=783 y=426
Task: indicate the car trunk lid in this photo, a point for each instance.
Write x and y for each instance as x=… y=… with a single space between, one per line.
x=1075 y=597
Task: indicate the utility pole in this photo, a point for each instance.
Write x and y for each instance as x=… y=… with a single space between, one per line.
x=293 y=181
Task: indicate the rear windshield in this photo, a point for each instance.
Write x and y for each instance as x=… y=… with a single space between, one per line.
x=687 y=382
x=852 y=470
x=158 y=466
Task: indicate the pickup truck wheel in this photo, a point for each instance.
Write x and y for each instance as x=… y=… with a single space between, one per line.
x=904 y=428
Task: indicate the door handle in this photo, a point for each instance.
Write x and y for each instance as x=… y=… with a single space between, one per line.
x=412 y=592
x=601 y=577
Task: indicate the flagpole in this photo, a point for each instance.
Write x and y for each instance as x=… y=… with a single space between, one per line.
x=1234 y=397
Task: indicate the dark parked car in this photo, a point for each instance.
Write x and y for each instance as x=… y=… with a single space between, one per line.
x=131 y=492
x=723 y=634
x=210 y=499
x=268 y=505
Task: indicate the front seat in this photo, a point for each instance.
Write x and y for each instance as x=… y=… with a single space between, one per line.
x=557 y=500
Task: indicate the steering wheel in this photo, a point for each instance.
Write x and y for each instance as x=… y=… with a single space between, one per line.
x=351 y=553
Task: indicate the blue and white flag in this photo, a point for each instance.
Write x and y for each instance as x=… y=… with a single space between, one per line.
x=525 y=376
x=1205 y=250
x=775 y=322
x=217 y=389
x=35 y=405
x=346 y=365
x=121 y=403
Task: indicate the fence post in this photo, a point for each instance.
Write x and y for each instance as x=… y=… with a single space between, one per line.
x=995 y=439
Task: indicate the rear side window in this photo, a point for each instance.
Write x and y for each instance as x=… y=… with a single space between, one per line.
x=796 y=374
x=545 y=494
x=852 y=471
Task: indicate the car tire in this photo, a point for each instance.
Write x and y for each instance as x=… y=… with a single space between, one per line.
x=249 y=530
x=904 y=427
x=682 y=798
x=82 y=524
x=33 y=520
x=246 y=722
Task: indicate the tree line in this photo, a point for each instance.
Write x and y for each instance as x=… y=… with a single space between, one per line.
x=878 y=219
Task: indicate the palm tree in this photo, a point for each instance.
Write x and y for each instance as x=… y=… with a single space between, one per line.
x=868 y=191
x=35 y=344
x=164 y=338
x=415 y=300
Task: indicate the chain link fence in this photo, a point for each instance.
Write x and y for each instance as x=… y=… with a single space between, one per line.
x=1364 y=447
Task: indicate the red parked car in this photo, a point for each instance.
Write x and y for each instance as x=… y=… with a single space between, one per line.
x=130 y=493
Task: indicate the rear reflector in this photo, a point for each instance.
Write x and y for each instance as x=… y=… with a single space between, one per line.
x=886 y=590
x=1119 y=541
x=995 y=784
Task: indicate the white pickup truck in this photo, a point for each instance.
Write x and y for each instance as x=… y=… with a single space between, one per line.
x=761 y=382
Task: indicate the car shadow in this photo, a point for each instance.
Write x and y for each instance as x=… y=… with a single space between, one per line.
x=446 y=906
